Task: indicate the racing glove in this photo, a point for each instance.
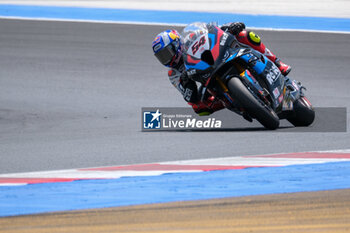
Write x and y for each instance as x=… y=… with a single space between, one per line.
x=233 y=28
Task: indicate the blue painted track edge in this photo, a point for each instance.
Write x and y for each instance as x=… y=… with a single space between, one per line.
x=87 y=194
x=176 y=17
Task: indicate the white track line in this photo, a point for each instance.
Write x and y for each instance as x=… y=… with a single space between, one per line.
x=162 y=24
x=182 y=166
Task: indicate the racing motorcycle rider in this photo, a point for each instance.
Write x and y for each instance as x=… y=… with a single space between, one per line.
x=167 y=48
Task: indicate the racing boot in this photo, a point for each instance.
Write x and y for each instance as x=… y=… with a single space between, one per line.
x=284 y=68
x=251 y=39
x=207 y=107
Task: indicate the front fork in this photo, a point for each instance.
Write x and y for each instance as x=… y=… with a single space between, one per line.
x=225 y=91
x=293 y=90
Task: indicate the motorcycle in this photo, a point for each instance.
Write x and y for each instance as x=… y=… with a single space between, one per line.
x=243 y=79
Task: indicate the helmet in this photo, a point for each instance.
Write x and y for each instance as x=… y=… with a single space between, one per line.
x=167 y=47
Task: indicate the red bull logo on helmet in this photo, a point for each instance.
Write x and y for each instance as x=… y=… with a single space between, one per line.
x=163 y=39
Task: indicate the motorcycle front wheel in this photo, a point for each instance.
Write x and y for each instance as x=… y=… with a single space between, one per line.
x=255 y=108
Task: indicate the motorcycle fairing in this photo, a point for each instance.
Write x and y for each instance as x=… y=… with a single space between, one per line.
x=266 y=70
x=200 y=39
x=211 y=43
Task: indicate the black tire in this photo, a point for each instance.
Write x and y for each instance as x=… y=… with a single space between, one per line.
x=266 y=116
x=303 y=113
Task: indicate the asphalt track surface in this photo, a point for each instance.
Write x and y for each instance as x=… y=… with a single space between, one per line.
x=71 y=96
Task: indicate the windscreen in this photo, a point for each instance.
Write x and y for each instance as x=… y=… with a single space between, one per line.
x=195 y=37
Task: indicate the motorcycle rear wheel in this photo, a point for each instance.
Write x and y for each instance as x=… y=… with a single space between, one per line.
x=303 y=113
x=258 y=110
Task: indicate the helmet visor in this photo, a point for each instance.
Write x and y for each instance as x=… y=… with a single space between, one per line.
x=165 y=55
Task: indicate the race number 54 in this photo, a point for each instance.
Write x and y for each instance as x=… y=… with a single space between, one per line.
x=198 y=44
